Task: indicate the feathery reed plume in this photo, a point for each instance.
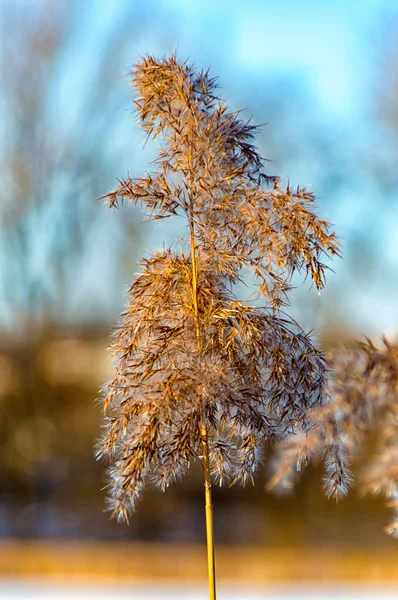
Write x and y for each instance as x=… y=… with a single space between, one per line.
x=200 y=374
x=364 y=399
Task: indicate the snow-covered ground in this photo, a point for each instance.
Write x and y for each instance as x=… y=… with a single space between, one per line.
x=35 y=590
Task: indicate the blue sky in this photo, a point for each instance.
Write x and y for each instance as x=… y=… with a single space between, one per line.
x=328 y=56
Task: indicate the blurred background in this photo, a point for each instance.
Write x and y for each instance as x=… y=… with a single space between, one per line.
x=324 y=77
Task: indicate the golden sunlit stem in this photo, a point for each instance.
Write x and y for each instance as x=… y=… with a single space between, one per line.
x=209 y=518
x=206 y=464
x=194 y=283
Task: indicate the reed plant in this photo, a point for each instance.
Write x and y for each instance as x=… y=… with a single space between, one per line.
x=201 y=375
x=358 y=426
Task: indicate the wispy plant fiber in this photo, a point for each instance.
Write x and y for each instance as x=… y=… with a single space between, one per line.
x=364 y=400
x=188 y=354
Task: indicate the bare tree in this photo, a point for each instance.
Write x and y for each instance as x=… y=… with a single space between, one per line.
x=51 y=161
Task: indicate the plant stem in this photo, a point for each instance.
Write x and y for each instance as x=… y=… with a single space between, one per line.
x=206 y=463
x=194 y=283
x=209 y=518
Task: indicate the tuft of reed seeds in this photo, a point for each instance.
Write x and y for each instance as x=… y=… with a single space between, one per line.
x=360 y=423
x=189 y=356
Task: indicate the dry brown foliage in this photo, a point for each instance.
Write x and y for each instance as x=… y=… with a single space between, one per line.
x=188 y=354
x=364 y=399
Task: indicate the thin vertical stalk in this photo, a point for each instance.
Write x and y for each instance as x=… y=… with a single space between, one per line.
x=211 y=566
x=211 y=569
x=194 y=282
